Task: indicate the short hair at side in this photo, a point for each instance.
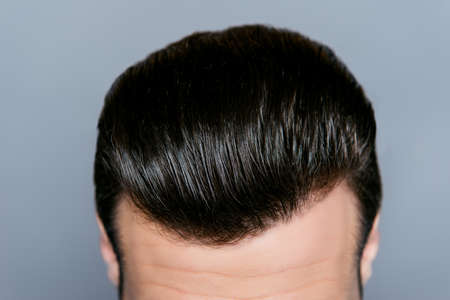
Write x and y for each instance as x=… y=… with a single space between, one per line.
x=221 y=134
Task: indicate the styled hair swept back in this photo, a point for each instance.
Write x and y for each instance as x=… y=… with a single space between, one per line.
x=221 y=134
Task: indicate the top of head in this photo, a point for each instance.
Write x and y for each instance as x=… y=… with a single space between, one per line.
x=221 y=134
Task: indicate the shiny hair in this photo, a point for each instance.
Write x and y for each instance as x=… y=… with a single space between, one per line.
x=221 y=134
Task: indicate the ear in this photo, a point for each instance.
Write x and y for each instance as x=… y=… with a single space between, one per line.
x=370 y=251
x=108 y=254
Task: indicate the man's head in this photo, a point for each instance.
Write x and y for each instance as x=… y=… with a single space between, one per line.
x=238 y=164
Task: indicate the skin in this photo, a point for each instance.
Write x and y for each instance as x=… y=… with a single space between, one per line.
x=312 y=257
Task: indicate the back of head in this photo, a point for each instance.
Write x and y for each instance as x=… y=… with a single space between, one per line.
x=221 y=134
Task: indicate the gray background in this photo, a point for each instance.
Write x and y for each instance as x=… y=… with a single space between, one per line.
x=58 y=58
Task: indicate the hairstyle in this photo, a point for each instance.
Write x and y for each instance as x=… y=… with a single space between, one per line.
x=221 y=134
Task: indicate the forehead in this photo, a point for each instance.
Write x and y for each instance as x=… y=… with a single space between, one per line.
x=317 y=246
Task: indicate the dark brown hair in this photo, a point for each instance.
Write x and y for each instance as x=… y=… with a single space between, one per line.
x=222 y=133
